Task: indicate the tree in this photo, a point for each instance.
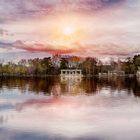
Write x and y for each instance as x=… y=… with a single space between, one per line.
x=89 y=65
x=64 y=63
x=136 y=61
x=129 y=67
x=46 y=65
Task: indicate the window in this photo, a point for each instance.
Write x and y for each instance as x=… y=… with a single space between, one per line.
x=78 y=72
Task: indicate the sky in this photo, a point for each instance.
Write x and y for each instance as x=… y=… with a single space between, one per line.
x=96 y=28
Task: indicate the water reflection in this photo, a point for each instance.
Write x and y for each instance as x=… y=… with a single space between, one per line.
x=73 y=86
x=69 y=108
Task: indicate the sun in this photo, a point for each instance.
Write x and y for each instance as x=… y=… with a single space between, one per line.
x=68 y=30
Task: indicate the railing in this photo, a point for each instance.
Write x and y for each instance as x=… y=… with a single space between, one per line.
x=71 y=73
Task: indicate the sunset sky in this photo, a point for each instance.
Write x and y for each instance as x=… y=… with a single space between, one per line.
x=40 y=28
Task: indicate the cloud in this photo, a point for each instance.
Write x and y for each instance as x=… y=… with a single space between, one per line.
x=17 y=9
x=3 y=32
x=108 y=49
x=38 y=47
x=5 y=45
x=110 y=27
x=85 y=49
x=115 y=50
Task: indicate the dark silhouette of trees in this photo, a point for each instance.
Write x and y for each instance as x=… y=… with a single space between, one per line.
x=52 y=66
x=136 y=61
x=64 y=63
x=89 y=66
x=129 y=67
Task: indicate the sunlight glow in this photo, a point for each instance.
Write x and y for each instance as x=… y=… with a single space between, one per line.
x=68 y=30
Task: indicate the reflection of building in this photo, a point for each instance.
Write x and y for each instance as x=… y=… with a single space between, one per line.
x=113 y=73
x=71 y=84
x=56 y=90
x=71 y=72
x=72 y=79
x=116 y=72
x=103 y=74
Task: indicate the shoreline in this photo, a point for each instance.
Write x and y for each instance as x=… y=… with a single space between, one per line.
x=45 y=76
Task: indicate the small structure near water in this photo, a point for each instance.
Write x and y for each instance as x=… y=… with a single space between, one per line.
x=113 y=73
x=71 y=72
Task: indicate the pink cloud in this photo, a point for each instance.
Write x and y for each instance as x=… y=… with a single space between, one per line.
x=38 y=47
x=86 y=49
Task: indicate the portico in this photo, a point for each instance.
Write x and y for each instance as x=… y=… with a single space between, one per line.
x=71 y=72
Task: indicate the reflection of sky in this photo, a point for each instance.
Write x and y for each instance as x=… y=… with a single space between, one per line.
x=107 y=115
x=10 y=97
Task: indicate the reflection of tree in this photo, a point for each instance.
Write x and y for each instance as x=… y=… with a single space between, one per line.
x=55 y=86
x=56 y=92
x=120 y=83
x=35 y=85
x=4 y=118
x=89 y=85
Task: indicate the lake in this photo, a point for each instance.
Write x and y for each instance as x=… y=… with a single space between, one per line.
x=57 y=108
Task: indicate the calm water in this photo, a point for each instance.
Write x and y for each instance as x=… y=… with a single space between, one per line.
x=70 y=109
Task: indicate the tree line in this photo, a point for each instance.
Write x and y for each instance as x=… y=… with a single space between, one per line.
x=53 y=65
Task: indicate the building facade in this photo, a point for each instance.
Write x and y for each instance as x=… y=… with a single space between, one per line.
x=71 y=72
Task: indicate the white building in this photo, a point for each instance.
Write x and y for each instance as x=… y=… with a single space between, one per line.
x=71 y=72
